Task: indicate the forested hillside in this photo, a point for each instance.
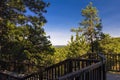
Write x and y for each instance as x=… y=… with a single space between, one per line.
x=23 y=38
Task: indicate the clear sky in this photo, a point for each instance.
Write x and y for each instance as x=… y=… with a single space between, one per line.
x=63 y=15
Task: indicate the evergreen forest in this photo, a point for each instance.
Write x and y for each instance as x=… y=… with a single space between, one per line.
x=24 y=40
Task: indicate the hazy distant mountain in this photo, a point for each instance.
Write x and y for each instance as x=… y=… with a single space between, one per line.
x=59 y=46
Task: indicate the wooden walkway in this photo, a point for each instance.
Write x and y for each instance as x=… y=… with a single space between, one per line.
x=113 y=76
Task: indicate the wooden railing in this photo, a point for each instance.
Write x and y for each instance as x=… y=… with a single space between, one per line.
x=12 y=76
x=88 y=67
x=66 y=67
x=19 y=67
x=112 y=60
x=95 y=71
x=19 y=71
x=53 y=72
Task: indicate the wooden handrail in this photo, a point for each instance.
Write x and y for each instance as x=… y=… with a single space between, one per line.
x=82 y=71
x=72 y=59
x=69 y=68
x=87 y=69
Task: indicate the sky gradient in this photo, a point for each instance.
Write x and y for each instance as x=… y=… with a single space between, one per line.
x=63 y=15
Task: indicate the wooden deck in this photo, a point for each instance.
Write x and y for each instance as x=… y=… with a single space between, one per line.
x=113 y=76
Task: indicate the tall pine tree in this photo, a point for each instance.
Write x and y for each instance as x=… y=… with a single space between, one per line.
x=91 y=26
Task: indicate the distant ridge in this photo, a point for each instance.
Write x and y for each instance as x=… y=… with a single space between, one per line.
x=57 y=46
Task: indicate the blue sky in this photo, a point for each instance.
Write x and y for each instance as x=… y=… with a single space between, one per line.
x=63 y=15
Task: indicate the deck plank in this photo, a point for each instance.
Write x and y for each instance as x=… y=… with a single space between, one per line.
x=113 y=76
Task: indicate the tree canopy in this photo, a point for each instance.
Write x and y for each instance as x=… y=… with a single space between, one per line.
x=77 y=45
x=22 y=36
x=109 y=44
x=91 y=23
x=23 y=39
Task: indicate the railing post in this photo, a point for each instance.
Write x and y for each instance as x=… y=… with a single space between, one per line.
x=104 y=72
x=41 y=76
x=70 y=66
x=103 y=59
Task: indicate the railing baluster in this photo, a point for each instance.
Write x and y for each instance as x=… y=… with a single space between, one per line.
x=76 y=65
x=119 y=61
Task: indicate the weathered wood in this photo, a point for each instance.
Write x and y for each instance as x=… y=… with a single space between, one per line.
x=96 y=71
x=88 y=67
x=113 y=62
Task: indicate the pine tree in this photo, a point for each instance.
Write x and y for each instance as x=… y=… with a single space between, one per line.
x=110 y=44
x=91 y=25
x=78 y=45
x=23 y=30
